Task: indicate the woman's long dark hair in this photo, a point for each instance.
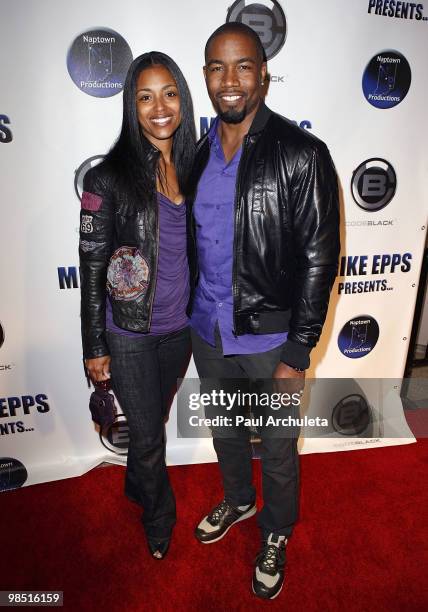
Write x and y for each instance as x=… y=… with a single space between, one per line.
x=129 y=155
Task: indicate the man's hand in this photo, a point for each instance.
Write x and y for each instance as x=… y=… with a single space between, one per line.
x=283 y=370
x=287 y=380
x=98 y=368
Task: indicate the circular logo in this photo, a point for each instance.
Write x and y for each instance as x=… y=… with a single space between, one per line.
x=12 y=474
x=358 y=336
x=1 y=335
x=386 y=79
x=79 y=174
x=115 y=437
x=351 y=416
x=373 y=184
x=266 y=18
x=98 y=61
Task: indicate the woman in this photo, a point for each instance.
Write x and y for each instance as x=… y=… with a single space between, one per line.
x=134 y=274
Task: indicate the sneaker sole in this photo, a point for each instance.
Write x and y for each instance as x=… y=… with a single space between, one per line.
x=268 y=598
x=251 y=512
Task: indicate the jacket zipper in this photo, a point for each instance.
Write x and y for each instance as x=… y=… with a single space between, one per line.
x=156 y=262
x=193 y=232
x=236 y=219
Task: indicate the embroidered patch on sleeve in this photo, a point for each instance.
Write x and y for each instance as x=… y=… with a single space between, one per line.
x=89 y=245
x=91 y=201
x=86 y=224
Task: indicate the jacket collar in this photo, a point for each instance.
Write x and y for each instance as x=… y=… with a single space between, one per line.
x=262 y=116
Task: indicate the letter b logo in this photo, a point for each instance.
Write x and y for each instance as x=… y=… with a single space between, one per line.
x=373 y=184
x=266 y=18
x=261 y=24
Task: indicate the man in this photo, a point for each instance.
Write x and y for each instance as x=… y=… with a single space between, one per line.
x=265 y=229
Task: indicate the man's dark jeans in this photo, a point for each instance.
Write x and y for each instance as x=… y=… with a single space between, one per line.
x=144 y=378
x=279 y=457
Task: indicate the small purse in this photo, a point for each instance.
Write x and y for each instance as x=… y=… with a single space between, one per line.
x=101 y=404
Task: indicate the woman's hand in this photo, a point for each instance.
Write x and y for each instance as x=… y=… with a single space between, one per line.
x=98 y=368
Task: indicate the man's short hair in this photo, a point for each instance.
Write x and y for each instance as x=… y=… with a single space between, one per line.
x=236 y=27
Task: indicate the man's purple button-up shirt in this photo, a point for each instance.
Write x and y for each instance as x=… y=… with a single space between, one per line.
x=214 y=215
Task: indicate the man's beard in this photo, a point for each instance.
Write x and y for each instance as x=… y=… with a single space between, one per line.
x=232 y=115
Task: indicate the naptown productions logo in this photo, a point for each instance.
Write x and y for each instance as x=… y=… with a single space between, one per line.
x=401 y=10
x=98 y=61
x=79 y=174
x=373 y=184
x=358 y=337
x=266 y=18
x=386 y=79
x=12 y=474
x=115 y=438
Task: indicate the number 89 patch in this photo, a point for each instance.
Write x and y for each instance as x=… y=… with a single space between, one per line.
x=86 y=224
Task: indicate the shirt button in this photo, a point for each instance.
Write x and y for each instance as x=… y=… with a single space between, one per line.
x=220 y=304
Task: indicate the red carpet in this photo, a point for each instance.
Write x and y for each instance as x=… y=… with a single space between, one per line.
x=358 y=546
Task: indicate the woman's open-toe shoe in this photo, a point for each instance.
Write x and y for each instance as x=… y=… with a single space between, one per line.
x=158 y=547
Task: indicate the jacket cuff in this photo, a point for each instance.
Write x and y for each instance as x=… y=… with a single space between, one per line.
x=296 y=355
x=96 y=351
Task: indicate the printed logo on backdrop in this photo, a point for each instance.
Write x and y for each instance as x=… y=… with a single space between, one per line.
x=400 y=10
x=98 y=61
x=5 y=132
x=373 y=184
x=206 y=122
x=13 y=474
x=386 y=79
x=371 y=225
x=358 y=336
x=373 y=265
x=351 y=416
x=68 y=278
x=24 y=408
x=266 y=18
x=4 y=367
x=79 y=174
x=115 y=437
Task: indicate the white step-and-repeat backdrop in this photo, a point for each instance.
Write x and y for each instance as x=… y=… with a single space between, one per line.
x=353 y=73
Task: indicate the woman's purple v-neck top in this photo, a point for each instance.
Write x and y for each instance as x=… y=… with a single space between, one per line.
x=172 y=283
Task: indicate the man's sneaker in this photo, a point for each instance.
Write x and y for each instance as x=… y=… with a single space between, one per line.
x=221 y=518
x=268 y=576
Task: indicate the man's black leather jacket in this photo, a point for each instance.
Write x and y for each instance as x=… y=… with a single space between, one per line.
x=286 y=239
x=119 y=241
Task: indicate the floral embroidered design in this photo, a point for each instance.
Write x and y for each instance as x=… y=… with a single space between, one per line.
x=127 y=274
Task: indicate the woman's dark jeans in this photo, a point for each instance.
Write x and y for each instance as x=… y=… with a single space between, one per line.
x=144 y=378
